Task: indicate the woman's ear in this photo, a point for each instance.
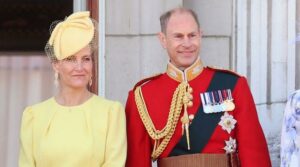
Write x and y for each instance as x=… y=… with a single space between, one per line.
x=55 y=66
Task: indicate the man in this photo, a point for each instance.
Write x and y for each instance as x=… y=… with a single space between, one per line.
x=192 y=115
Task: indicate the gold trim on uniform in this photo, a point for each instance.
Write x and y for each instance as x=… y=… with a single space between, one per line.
x=182 y=99
x=161 y=137
x=190 y=73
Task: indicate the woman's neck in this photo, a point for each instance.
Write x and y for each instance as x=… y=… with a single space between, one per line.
x=71 y=97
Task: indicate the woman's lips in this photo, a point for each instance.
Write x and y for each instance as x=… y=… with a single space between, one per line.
x=78 y=75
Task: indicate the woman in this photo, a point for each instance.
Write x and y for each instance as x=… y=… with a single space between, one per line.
x=75 y=128
x=290 y=137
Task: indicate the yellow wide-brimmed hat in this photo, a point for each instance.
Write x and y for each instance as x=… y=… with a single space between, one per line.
x=71 y=35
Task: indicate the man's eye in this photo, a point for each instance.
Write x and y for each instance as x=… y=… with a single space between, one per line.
x=192 y=35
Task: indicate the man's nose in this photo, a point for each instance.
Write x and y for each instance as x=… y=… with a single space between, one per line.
x=186 y=41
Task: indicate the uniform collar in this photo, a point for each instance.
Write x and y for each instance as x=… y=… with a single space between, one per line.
x=186 y=75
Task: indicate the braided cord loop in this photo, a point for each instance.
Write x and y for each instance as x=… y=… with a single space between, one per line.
x=163 y=136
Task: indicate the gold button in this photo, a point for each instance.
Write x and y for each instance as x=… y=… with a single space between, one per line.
x=190 y=90
x=190 y=104
x=191 y=117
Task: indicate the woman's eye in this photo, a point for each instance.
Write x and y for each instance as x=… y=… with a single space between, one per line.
x=70 y=59
x=86 y=59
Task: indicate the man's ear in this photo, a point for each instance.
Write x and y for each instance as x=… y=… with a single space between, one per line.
x=162 y=39
x=200 y=32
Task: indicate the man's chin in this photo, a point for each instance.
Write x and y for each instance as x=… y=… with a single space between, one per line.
x=189 y=62
x=185 y=66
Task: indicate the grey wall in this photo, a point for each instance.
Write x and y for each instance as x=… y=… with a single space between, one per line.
x=132 y=47
x=216 y=19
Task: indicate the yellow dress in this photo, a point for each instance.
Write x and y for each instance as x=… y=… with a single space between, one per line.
x=92 y=134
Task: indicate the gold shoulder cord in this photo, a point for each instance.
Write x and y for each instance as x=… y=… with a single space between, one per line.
x=162 y=137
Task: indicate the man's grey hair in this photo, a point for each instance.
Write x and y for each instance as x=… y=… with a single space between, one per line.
x=164 y=18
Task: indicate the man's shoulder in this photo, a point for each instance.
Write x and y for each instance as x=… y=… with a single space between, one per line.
x=147 y=80
x=225 y=71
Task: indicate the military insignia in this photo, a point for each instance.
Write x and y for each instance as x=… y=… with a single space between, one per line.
x=230 y=146
x=217 y=101
x=227 y=122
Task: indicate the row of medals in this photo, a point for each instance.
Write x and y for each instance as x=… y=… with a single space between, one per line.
x=217 y=101
x=213 y=102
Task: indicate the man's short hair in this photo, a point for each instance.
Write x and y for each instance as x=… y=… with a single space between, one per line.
x=164 y=18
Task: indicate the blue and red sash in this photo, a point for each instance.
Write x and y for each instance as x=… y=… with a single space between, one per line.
x=203 y=125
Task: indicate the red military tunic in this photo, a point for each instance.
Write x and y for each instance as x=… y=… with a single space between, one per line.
x=158 y=92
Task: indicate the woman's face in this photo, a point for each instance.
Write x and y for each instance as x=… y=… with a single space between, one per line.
x=75 y=71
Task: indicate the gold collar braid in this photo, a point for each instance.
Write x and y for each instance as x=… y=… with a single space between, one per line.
x=188 y=74
x=162 y=137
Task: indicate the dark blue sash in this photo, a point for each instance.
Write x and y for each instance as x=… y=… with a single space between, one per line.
x=203 y=125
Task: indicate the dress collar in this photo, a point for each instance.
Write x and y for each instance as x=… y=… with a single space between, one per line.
x=186 y=75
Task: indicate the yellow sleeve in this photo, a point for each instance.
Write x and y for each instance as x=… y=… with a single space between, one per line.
x=116 y=145
x=26 y=136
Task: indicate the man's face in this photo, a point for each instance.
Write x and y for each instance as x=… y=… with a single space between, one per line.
x=182 y=39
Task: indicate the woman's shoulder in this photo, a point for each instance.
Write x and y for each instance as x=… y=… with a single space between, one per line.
x=38 y=111
x=294 y=98
x=105 y=104
x=43 y=104
x=295 y=94
x=38 y=107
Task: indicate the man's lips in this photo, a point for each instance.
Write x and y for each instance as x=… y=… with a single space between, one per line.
x=186 y=51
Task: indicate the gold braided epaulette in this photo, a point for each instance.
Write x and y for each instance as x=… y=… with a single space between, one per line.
x=141 y=82
x=224 y=70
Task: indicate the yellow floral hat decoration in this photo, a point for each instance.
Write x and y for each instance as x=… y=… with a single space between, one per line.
x=70 y=36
